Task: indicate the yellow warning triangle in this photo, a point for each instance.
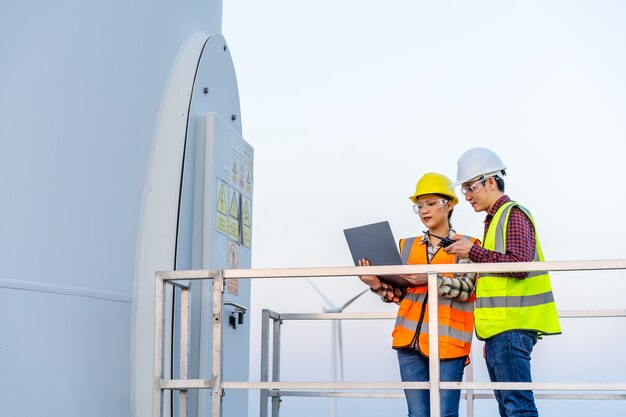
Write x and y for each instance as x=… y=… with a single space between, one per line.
x=234 y=207
x=246 y=214
x=221 y=201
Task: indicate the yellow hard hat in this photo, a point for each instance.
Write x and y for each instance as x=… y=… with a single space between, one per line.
x=434 y=183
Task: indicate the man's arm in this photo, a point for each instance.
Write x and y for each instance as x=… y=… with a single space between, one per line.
x=460 y=287
x=520 y=244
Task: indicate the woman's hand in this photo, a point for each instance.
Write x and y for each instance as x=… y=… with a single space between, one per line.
x=386 y=292
x=416 y=279
x=372 y=280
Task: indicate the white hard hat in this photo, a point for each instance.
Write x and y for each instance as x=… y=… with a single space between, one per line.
x=476 y=163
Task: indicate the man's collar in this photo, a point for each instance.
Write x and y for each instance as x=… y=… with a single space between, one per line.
x=499 y=202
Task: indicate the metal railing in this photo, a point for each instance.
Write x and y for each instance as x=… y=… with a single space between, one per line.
x=272 y=387
x=272 y=321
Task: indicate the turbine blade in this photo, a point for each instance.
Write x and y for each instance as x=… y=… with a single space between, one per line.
x=322 y=295
x=353 y=299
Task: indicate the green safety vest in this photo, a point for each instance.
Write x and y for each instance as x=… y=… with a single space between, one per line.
x=505 y=303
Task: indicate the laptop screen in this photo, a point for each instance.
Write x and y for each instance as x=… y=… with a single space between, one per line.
x=376 y=243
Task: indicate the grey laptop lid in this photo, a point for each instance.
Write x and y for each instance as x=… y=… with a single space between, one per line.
x=376 y=242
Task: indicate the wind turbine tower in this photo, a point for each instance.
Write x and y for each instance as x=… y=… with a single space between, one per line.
x=122 y=155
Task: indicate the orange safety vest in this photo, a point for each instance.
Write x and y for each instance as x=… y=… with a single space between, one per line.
x=456 y=318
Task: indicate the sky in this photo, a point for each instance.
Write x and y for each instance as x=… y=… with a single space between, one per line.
x=347 y=103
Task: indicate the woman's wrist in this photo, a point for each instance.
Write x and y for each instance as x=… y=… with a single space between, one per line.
x=372 y=281
x=380 y=287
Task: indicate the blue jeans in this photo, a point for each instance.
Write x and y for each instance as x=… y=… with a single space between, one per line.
x=414 y=368
x=508 y=360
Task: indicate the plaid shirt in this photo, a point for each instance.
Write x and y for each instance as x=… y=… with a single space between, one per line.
x=459 y=287
x=520 y=240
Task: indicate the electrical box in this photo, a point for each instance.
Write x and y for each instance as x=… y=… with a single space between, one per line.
x=215 y=232
x=227 y=181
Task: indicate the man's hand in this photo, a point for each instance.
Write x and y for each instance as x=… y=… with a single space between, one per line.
x=460 y=248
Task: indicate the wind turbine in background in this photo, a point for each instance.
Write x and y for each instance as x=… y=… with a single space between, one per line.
x=336 y=339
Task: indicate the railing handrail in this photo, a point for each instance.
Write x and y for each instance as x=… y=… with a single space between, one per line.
x=341 y=271
x=390 y=315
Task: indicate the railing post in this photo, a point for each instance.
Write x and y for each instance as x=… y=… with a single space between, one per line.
x=276 y=365
x=184 y=349
x=265 y=358
x=433 y=345
x=158 y=345
x=469 y=394
x=216 y=388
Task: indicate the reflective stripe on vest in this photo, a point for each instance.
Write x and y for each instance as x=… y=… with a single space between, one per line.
x=456 y=320
x=504 y=303
x=406 y=250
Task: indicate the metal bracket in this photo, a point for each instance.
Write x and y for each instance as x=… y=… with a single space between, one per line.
x=236 y=317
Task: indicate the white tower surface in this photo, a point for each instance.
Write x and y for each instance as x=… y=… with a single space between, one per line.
x=95 y=101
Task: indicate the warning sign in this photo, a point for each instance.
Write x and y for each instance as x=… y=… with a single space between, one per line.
x=241 y=175
x=233 y=215
x=221 y=198
x=234 y=174
x=232 y=284
x=221 y=214
x=233 y=255
x=246 y=213
x=234 y=205
x=248 y=183
x=246 y=230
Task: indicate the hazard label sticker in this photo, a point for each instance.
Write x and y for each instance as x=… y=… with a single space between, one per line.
x=232 y=284
x=221 y=197
x=234 y=173
x=246 y=229
x=249 y=182
x=234 y=205
x=221 y=215
x=241 y=174
x=234 y=215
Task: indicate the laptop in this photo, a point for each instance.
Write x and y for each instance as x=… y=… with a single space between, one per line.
x=375 y=242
